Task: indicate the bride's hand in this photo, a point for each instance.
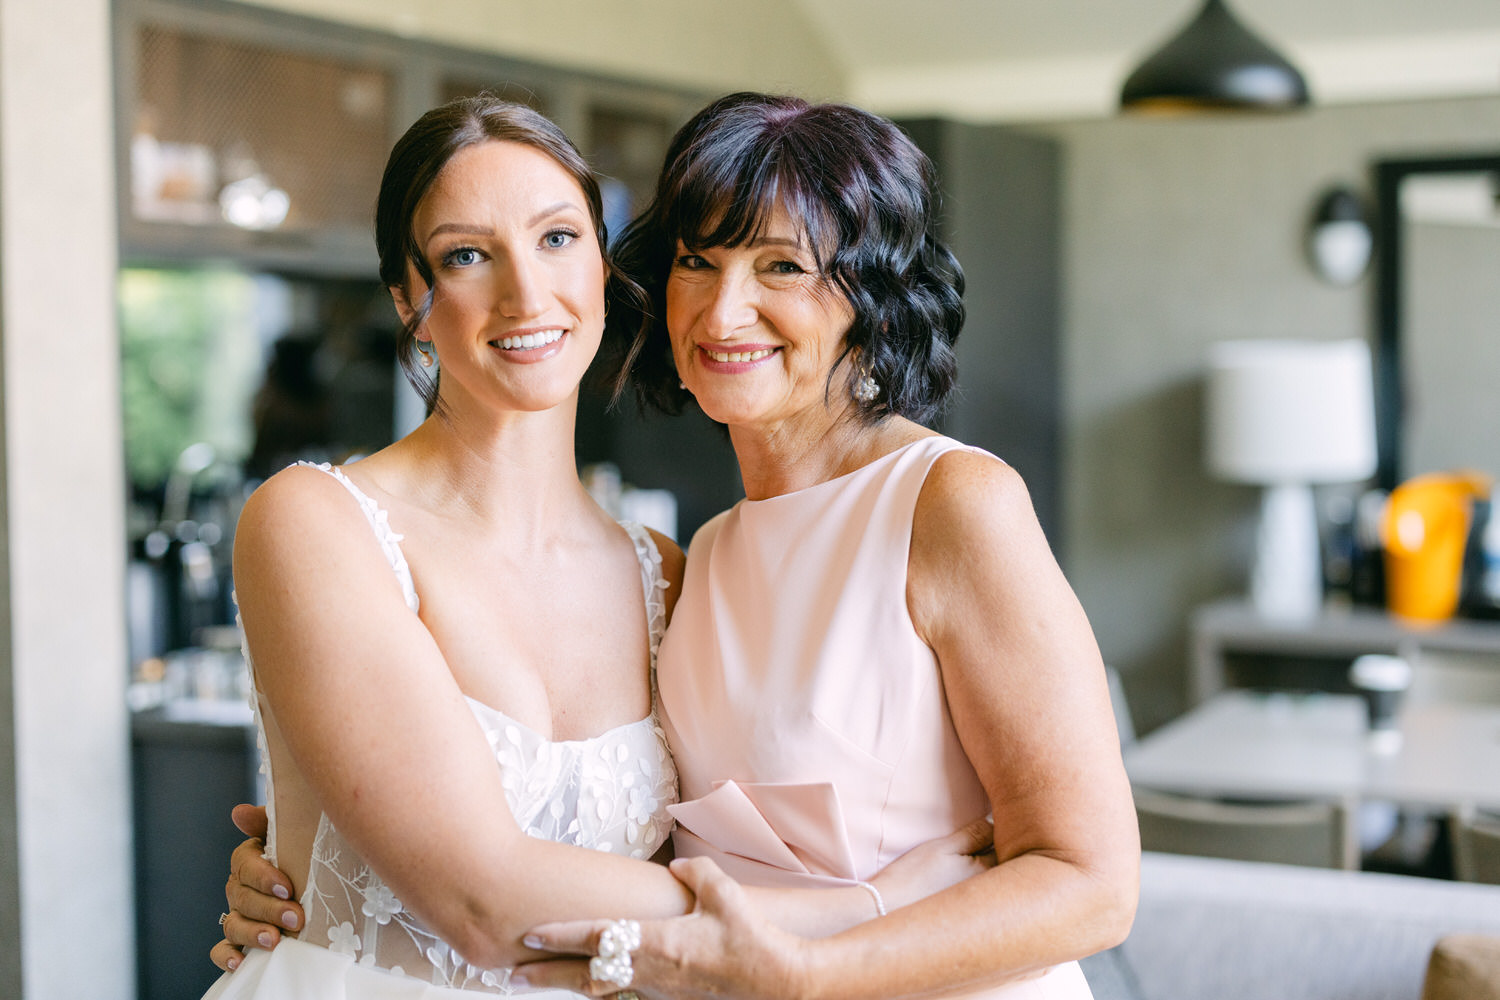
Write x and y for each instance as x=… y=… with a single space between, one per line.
x=723 y=948
x=938 y=864
x=258 y=894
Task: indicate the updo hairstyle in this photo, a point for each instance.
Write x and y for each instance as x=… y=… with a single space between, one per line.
x=415 y=163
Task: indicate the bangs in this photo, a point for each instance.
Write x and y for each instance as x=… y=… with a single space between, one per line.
x=728 y=200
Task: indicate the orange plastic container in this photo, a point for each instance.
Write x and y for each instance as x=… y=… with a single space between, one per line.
x=1424 y=530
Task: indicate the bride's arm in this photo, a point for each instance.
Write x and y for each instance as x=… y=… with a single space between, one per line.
x=345 y=664
x=378 y=728
x=260 y=904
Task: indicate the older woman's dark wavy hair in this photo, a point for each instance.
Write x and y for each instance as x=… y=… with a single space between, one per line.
x=415 y=163
x=866 y=196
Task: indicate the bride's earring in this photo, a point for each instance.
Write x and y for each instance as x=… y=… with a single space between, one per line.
x=424 y=348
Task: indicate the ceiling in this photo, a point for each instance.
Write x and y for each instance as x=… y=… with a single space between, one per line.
x=1040 y=58
x=982 y=60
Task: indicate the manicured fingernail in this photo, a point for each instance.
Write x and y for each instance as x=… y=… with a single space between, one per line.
x=531 y=941
x=233 y=964
x=280 y=892
x=289 y=920
x=265 y=939
x=518 y=979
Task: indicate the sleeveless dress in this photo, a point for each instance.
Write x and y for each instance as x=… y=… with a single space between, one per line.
x=607 y=792
x=812 y=735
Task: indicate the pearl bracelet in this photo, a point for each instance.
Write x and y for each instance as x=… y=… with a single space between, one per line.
x=875 y=894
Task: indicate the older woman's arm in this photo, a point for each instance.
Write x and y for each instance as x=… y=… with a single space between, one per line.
x=1029 y=699
x=1030 y=702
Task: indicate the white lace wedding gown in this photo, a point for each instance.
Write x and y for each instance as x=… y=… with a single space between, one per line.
x=609 y=792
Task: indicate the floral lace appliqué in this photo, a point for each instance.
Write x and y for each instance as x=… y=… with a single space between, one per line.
x=609 y=793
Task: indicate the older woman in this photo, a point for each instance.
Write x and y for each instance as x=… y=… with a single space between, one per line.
x=876 y=645
x=453 y=647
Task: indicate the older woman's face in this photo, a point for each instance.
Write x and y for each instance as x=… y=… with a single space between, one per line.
x=756 y=328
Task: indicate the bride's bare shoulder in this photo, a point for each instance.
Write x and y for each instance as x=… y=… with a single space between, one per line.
x=298 y=512
x=297 y=490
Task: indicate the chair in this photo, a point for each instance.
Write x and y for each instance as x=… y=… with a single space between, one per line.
x=1476 y=846
x=1315 y=834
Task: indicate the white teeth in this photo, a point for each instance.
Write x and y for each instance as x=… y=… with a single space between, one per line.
x=527 y=341
x=743 y=356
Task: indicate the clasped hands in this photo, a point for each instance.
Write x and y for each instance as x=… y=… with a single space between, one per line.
x=724 y=947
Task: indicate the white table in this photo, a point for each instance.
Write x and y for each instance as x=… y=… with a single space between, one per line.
x=1253 y=745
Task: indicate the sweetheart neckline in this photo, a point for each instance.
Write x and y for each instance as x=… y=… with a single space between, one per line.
x=649 y=719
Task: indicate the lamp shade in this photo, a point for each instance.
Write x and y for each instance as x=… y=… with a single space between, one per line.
x=1290 y=411
x=1215 y=62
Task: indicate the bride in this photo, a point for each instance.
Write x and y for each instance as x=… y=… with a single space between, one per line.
x=453 y=647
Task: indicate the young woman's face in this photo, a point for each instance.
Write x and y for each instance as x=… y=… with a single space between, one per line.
x=756 y=328
x=518 y=304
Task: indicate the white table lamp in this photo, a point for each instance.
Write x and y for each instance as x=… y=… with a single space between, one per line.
x=1287 y=415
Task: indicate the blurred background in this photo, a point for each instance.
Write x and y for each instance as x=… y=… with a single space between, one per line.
x=190 y=301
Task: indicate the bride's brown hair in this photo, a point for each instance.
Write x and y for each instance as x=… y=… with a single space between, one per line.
x=416 y=161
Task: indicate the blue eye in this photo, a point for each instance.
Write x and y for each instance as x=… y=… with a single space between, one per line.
x=558 y=238
x=461 y=257
x=691 y=262
x=786 y=267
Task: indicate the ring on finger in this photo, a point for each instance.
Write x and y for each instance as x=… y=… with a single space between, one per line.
x=223 y=917
x=612 y=964
x=627 y=995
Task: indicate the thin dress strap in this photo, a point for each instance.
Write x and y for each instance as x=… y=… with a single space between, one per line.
x=390 y=541
x=654 y=585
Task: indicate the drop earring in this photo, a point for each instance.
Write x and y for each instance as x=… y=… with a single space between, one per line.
x=424 y=348
x=866 y=389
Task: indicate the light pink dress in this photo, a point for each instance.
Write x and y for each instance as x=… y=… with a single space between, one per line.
x=808 y=719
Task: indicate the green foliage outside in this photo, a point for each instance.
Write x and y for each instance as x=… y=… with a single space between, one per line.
x=190 y=362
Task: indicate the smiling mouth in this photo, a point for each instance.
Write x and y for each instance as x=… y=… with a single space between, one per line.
x=739 y=356
x=529 y=341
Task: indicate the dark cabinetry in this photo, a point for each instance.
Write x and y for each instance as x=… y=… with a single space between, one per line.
x=1001 y=215
x=256 y=138
x=187 y=774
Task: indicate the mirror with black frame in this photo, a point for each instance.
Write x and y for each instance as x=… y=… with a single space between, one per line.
x=1438 y=315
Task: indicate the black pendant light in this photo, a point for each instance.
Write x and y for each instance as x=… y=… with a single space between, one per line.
x=1215 y=63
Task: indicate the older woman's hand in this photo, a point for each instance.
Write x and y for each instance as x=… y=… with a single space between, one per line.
x=258 y=894
x=934 y=866
x=723 y=948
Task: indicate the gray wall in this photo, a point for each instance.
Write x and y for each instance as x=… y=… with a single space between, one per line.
x=1178 y=233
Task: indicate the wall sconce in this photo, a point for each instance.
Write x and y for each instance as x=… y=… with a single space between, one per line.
x=1215 y=64
x=1339 y=237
